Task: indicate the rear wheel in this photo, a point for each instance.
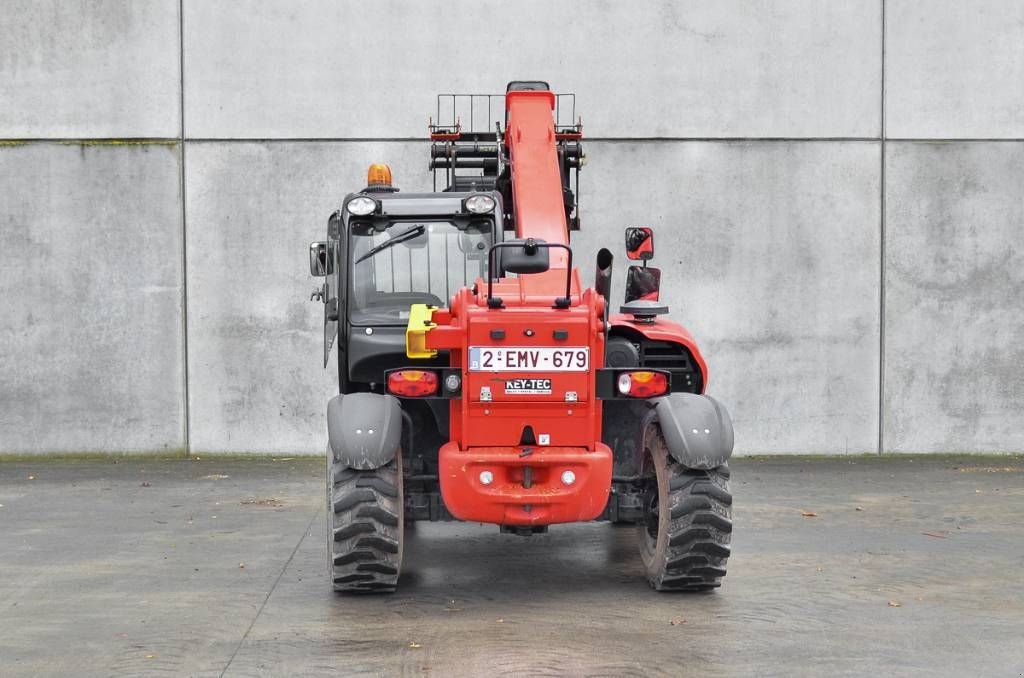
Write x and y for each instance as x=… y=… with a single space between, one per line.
x=364 y=526
x=687 y=526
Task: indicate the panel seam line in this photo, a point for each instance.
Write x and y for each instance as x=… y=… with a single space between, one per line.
x=270 y=140
x=881 y=248
x=184 y=230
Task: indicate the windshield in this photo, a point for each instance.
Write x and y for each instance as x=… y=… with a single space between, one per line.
x=412 y=262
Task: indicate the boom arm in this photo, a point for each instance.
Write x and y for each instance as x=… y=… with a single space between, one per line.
x=536 y=179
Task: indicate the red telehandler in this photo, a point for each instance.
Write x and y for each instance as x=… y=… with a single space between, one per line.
x=480 y=380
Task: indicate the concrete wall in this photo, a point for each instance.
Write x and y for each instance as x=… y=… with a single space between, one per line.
x=836 y=188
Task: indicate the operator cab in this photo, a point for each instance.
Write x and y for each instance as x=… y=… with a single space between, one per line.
x=416 y=250
x=392 y=250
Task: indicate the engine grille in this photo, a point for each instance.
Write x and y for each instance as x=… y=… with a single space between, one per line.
x=661 y=355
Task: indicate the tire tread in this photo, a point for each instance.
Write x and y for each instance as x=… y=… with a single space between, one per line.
x=365 y=529
x=700 y=530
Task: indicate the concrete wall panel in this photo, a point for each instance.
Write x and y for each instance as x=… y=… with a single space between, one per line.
x=955 y=69
x=88 y=69
x=256 y=381
x=344 y=69
x=771 y=247
x=954 y=275
x=756 y=241
x=770 y=256
x=91 y=276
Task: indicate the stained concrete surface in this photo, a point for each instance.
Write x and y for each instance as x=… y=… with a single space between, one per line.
x=91 y=336
x=256 y=376
x=954 y=69
x=770 y=256
x=772 y=251
x=954 y=280
x=911 y=566
x=92 y=68
x=653 y=69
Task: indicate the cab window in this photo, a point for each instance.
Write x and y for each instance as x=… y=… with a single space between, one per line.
x=399 y=263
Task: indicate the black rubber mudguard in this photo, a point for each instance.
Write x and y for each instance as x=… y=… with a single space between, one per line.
x=697 y=430
x=364 y=429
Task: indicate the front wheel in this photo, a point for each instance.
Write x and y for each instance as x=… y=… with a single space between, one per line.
x=364 y=526
x=687 y=525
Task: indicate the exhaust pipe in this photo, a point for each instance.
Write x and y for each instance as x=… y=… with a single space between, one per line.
x=603 y=282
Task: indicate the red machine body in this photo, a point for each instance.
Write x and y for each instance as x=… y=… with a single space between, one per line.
x=527 y=442
x=664 y=330
x=487 y=432
x=536 y=181
x=523 y=402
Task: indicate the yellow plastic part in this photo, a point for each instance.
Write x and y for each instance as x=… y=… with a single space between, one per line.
x=416 y=331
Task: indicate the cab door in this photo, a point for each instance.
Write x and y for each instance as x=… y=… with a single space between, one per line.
x=324 y=263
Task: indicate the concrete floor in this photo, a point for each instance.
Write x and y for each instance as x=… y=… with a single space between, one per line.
x=912 y=566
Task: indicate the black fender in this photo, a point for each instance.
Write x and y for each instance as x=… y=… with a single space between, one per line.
x=364 y=430
x=697 y=429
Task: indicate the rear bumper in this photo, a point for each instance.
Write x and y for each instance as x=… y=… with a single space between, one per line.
x=506 y=501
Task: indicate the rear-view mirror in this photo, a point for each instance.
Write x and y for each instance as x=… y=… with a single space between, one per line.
x=320 y=263
x=525 y=259
x=639 y=243
x=643 y=283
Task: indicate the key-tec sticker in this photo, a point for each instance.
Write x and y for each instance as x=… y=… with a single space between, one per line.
x=527 y=387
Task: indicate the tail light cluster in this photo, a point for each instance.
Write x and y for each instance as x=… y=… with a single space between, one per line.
x=618 y=383
x=642 y=383
x=612 y=383
x=410 y=383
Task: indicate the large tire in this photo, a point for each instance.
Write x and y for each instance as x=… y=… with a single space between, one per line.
x=685 y=548
x=364 y=526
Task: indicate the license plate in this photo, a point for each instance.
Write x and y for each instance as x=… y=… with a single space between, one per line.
x=529 y=359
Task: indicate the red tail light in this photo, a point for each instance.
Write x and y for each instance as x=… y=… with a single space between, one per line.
x=412 y=383
x=642 y=384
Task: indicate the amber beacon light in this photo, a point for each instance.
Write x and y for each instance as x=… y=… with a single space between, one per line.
x=378 y=174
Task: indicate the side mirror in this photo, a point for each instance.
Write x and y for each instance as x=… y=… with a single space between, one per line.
x=639 y=243
x=643 y=283
x=320 y=263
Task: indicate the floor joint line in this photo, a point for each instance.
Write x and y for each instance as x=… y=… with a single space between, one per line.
x=316 y=514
